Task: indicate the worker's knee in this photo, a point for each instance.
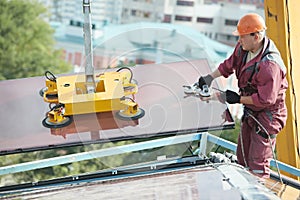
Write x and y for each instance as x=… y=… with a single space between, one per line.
x=260 y=166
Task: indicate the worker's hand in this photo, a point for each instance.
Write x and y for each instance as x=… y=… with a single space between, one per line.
x=205 y=80
x=231 y=97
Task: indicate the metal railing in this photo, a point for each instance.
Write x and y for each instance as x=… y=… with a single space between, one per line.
x=203 y=138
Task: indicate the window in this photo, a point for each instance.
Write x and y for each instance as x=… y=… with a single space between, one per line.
x=185 y=3
x=147 y=14
x=183 y=18
x=205 y=20
x=133 y=12
x=167 y=18
x=230 y=22
x=79 y=24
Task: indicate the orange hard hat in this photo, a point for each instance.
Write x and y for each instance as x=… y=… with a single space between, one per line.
x=250 y=23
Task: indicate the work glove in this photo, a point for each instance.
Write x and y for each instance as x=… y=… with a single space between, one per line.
x=205 y=80
x=232 y=97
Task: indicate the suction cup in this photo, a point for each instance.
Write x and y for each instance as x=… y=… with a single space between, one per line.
x=49 y=124
x=42 y=91
x=124 y=116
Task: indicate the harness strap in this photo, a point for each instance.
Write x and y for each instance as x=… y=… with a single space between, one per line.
x=249 y=87
x=256 y=63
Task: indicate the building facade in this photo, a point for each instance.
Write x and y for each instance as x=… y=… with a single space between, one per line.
x=104 y=11
x=214 y=18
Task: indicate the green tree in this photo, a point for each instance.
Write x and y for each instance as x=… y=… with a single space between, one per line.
x=26 y=41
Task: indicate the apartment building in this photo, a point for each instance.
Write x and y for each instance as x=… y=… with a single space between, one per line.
x=104 y=11
x=214 y=18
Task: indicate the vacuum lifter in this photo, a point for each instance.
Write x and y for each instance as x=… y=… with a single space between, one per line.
x=89 y=93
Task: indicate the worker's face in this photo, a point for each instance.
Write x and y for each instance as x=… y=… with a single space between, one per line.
x=248 y=41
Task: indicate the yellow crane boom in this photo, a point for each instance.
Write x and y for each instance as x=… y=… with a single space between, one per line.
x=284 y=29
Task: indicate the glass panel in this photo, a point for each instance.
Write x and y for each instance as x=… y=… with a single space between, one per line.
x=168 y=111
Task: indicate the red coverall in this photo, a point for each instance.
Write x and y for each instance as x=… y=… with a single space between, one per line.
x=262 y=78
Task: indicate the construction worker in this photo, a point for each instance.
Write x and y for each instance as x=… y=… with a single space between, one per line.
x=261 y=76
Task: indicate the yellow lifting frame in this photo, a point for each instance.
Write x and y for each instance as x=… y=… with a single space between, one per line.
x=282 y=19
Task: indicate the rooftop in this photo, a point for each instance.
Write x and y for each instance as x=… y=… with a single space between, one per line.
x=157 y=40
